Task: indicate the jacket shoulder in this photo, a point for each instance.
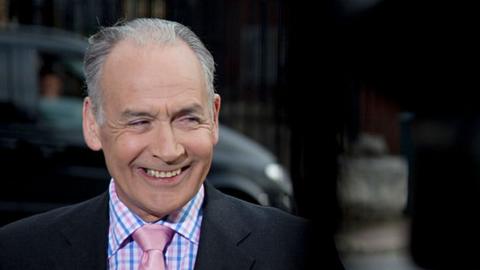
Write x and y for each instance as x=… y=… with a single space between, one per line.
x=259 y=215
x=43 y=222
x=41 y=235
x=275 y=238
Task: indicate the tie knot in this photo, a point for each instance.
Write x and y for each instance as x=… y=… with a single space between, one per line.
x=153 y=237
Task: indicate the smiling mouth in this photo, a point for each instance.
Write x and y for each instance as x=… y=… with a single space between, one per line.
x=163 y=174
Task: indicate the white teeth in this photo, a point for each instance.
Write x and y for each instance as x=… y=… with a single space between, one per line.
x=163 y=174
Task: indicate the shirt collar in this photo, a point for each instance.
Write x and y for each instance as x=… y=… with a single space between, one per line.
x=186 y=220
x=123 y=222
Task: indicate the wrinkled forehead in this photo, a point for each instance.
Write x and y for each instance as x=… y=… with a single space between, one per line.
x=156 y=71
x=167 y=62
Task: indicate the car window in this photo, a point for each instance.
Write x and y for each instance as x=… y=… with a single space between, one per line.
x=60 y=86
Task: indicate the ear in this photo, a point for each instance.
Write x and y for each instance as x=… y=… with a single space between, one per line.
x=216 y=112
x=90 y=126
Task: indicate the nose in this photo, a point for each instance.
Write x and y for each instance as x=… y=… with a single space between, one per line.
x=165 y=145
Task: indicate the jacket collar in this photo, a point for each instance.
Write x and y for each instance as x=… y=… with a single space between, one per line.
x=222 y=234
x=86 y=234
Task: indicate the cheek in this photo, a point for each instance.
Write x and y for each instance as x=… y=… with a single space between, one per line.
x=200 y=146
x=124 y=149
x=132 y=143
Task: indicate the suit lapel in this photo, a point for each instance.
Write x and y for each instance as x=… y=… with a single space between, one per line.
x=86 y=234
x=221 y=235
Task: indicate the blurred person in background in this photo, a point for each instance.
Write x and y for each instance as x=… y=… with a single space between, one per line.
x=55 y=109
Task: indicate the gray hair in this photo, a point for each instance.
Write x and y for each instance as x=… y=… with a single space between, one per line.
x=140 y=30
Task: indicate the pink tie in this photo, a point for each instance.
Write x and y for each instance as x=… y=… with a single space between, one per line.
x=152 y=238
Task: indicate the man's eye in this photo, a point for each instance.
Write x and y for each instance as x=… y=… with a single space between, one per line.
x=138 y=123
x=189 y=121
x=192 y=119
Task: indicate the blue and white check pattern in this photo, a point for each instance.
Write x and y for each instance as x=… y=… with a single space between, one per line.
x=125 y=254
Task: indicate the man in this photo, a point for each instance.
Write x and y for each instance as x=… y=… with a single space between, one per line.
x=152 y=110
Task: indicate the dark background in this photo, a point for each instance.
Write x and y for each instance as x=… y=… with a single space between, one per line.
x=291 y=74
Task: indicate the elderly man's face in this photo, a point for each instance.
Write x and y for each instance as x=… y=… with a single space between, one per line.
x=158 y=134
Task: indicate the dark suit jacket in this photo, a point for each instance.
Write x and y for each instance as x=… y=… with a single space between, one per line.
x=234 y=235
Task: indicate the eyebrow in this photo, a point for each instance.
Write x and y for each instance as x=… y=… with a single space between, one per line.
x=127 y=114
x=193 y=108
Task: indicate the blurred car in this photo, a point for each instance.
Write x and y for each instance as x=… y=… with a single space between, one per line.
x=45 y=162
